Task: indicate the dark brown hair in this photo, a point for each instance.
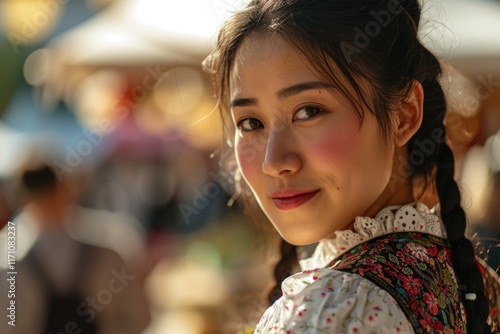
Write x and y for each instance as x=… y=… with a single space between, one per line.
x=371 y=42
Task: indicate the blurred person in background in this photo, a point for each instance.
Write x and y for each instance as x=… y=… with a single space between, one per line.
x=64 y=285
x=488 y=230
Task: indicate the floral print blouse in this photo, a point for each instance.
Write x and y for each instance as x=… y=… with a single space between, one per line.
x=324 y=299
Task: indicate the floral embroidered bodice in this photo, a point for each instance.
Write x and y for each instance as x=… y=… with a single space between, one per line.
x=415 y=269
x=366 y=280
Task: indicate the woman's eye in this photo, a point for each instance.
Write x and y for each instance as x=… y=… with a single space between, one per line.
x=306 y=112
x=249 y=124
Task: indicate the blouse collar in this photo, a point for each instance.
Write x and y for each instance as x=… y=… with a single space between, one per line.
x=410 y=217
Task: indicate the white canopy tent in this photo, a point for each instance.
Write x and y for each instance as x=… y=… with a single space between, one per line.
x=145 y=31
x=135 y=34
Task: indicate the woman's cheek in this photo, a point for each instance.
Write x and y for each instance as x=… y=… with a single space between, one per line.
x=245 y=153
x=335 y=145
x=248 y=159
x=248 y=146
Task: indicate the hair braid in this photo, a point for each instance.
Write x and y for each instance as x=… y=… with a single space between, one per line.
x=283 y=269
x=453 y=215
x=463 y=256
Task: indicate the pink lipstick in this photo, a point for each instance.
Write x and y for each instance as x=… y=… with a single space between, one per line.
x=290 y=199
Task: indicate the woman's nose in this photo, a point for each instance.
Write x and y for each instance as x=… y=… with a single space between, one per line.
x=281 y=156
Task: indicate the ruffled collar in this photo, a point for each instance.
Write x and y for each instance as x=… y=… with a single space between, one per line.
x=410 y=217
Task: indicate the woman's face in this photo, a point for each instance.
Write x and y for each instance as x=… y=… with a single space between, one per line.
x=311 y=162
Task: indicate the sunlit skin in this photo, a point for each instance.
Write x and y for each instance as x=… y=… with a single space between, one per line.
x=311 y=162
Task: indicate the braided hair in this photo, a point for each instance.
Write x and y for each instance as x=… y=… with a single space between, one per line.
x=373 y=44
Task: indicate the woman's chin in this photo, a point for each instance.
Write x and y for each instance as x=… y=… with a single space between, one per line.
x=300 y=239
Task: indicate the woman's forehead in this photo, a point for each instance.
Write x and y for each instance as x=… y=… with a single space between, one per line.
x=262 y=46
x=260 y=50
x=269 y=55
x=265 y=57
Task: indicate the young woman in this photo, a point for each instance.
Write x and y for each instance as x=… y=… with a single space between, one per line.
x=336 y=114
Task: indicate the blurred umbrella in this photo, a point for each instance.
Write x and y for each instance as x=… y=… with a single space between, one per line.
x=137 y=49
x=130 y=141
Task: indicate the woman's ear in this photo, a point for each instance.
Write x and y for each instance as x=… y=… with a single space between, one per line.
x=410 y=114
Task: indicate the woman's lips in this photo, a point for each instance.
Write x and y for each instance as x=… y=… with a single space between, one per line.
x=290 y=199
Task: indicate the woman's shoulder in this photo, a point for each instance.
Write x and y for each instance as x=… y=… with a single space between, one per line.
x=328 y=300
x=326 y=280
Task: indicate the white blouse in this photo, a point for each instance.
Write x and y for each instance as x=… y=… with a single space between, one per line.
x=325 y=300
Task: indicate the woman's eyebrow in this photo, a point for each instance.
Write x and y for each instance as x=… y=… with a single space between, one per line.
x=299 y=88
x=284 y=93
x=243 y=102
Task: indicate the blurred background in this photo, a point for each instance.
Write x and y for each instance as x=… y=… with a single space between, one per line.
x=111 y=94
